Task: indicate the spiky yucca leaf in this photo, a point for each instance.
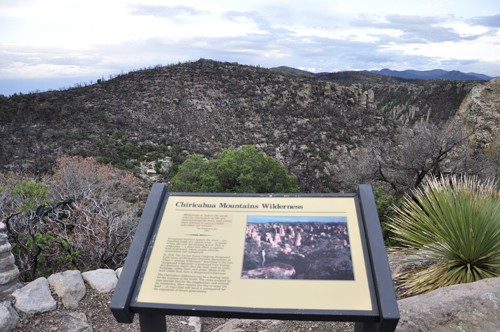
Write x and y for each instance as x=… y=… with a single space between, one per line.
x=455 y=222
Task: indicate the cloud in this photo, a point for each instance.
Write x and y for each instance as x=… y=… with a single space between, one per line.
x=262 y=23
x=454 y=63
x=32 y=55
x=424 y=29
x=486 y=21
x=164 y=11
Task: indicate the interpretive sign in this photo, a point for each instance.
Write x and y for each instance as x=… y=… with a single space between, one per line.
x=300 y=257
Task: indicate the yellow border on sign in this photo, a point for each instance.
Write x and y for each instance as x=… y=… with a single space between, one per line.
x=259 y=293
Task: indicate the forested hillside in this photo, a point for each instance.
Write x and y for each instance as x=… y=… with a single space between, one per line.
x=148 y=121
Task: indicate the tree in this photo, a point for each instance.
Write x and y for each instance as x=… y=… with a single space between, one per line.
x=245 y=170
x=401 y=163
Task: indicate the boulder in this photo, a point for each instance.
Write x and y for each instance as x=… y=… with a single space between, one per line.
x=8 y=317
x=69 y=286
x=102 y=280
x=75 y=322
x=35 y=297
x=466 y=307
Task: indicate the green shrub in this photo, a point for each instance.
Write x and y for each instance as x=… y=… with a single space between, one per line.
x=384 y=209
x=245 y=170
x=454 y=222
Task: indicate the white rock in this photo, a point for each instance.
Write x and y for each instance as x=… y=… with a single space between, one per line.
x=8 y=317
x=69 y=286
x=8 y=276
x=195 y=322
x=35 y=297
x=119 y=272
x=5 y=247
x=102 y=280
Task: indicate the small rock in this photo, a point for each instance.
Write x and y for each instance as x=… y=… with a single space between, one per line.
x=75 y=322
x=35 y=297
x=195 y=322
x=69 y=286
x=102 y=280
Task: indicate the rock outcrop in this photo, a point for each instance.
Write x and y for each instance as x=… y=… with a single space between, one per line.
x=481 y=109
x=467 y=307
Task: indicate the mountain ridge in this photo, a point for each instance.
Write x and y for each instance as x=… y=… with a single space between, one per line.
x=409 y=74
x=149 y=120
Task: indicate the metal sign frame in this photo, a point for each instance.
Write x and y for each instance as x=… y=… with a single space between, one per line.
x=383 y=317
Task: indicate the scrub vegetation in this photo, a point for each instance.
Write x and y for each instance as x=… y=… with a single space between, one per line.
x=83 y=216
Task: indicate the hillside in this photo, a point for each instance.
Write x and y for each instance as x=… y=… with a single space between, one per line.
x=205 y=106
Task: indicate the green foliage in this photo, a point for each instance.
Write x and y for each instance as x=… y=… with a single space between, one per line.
x=125 y=153
x=384 y=208
x=455 y=222
x=245 y=170
x=53 y=253
x=31 y=194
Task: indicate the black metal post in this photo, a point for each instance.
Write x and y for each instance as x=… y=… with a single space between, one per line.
x=365 y=327
x=386 y=296
x=152 y=323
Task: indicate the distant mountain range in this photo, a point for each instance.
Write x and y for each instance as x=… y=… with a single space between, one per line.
x=432 y=74
x=435 y=74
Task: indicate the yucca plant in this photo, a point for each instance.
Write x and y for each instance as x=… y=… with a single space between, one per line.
x=455 y=223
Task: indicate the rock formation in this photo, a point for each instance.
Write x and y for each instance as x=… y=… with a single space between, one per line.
x=466 y=307
x=9 y=272
x=481 y=109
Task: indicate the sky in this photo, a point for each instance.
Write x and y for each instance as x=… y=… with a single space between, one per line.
x=271 y=219
x=52 y=44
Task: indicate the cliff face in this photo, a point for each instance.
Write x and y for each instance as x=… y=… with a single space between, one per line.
x=481 y=108
x=206 y=106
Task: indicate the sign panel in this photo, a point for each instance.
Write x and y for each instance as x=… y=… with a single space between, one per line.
x=259 y=252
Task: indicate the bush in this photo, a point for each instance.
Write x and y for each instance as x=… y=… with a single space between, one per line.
x=83 y=216
x=245 y=170
x=384 y=208
x=455 y=222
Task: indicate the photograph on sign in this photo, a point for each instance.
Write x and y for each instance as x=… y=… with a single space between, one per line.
x=297 y=247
